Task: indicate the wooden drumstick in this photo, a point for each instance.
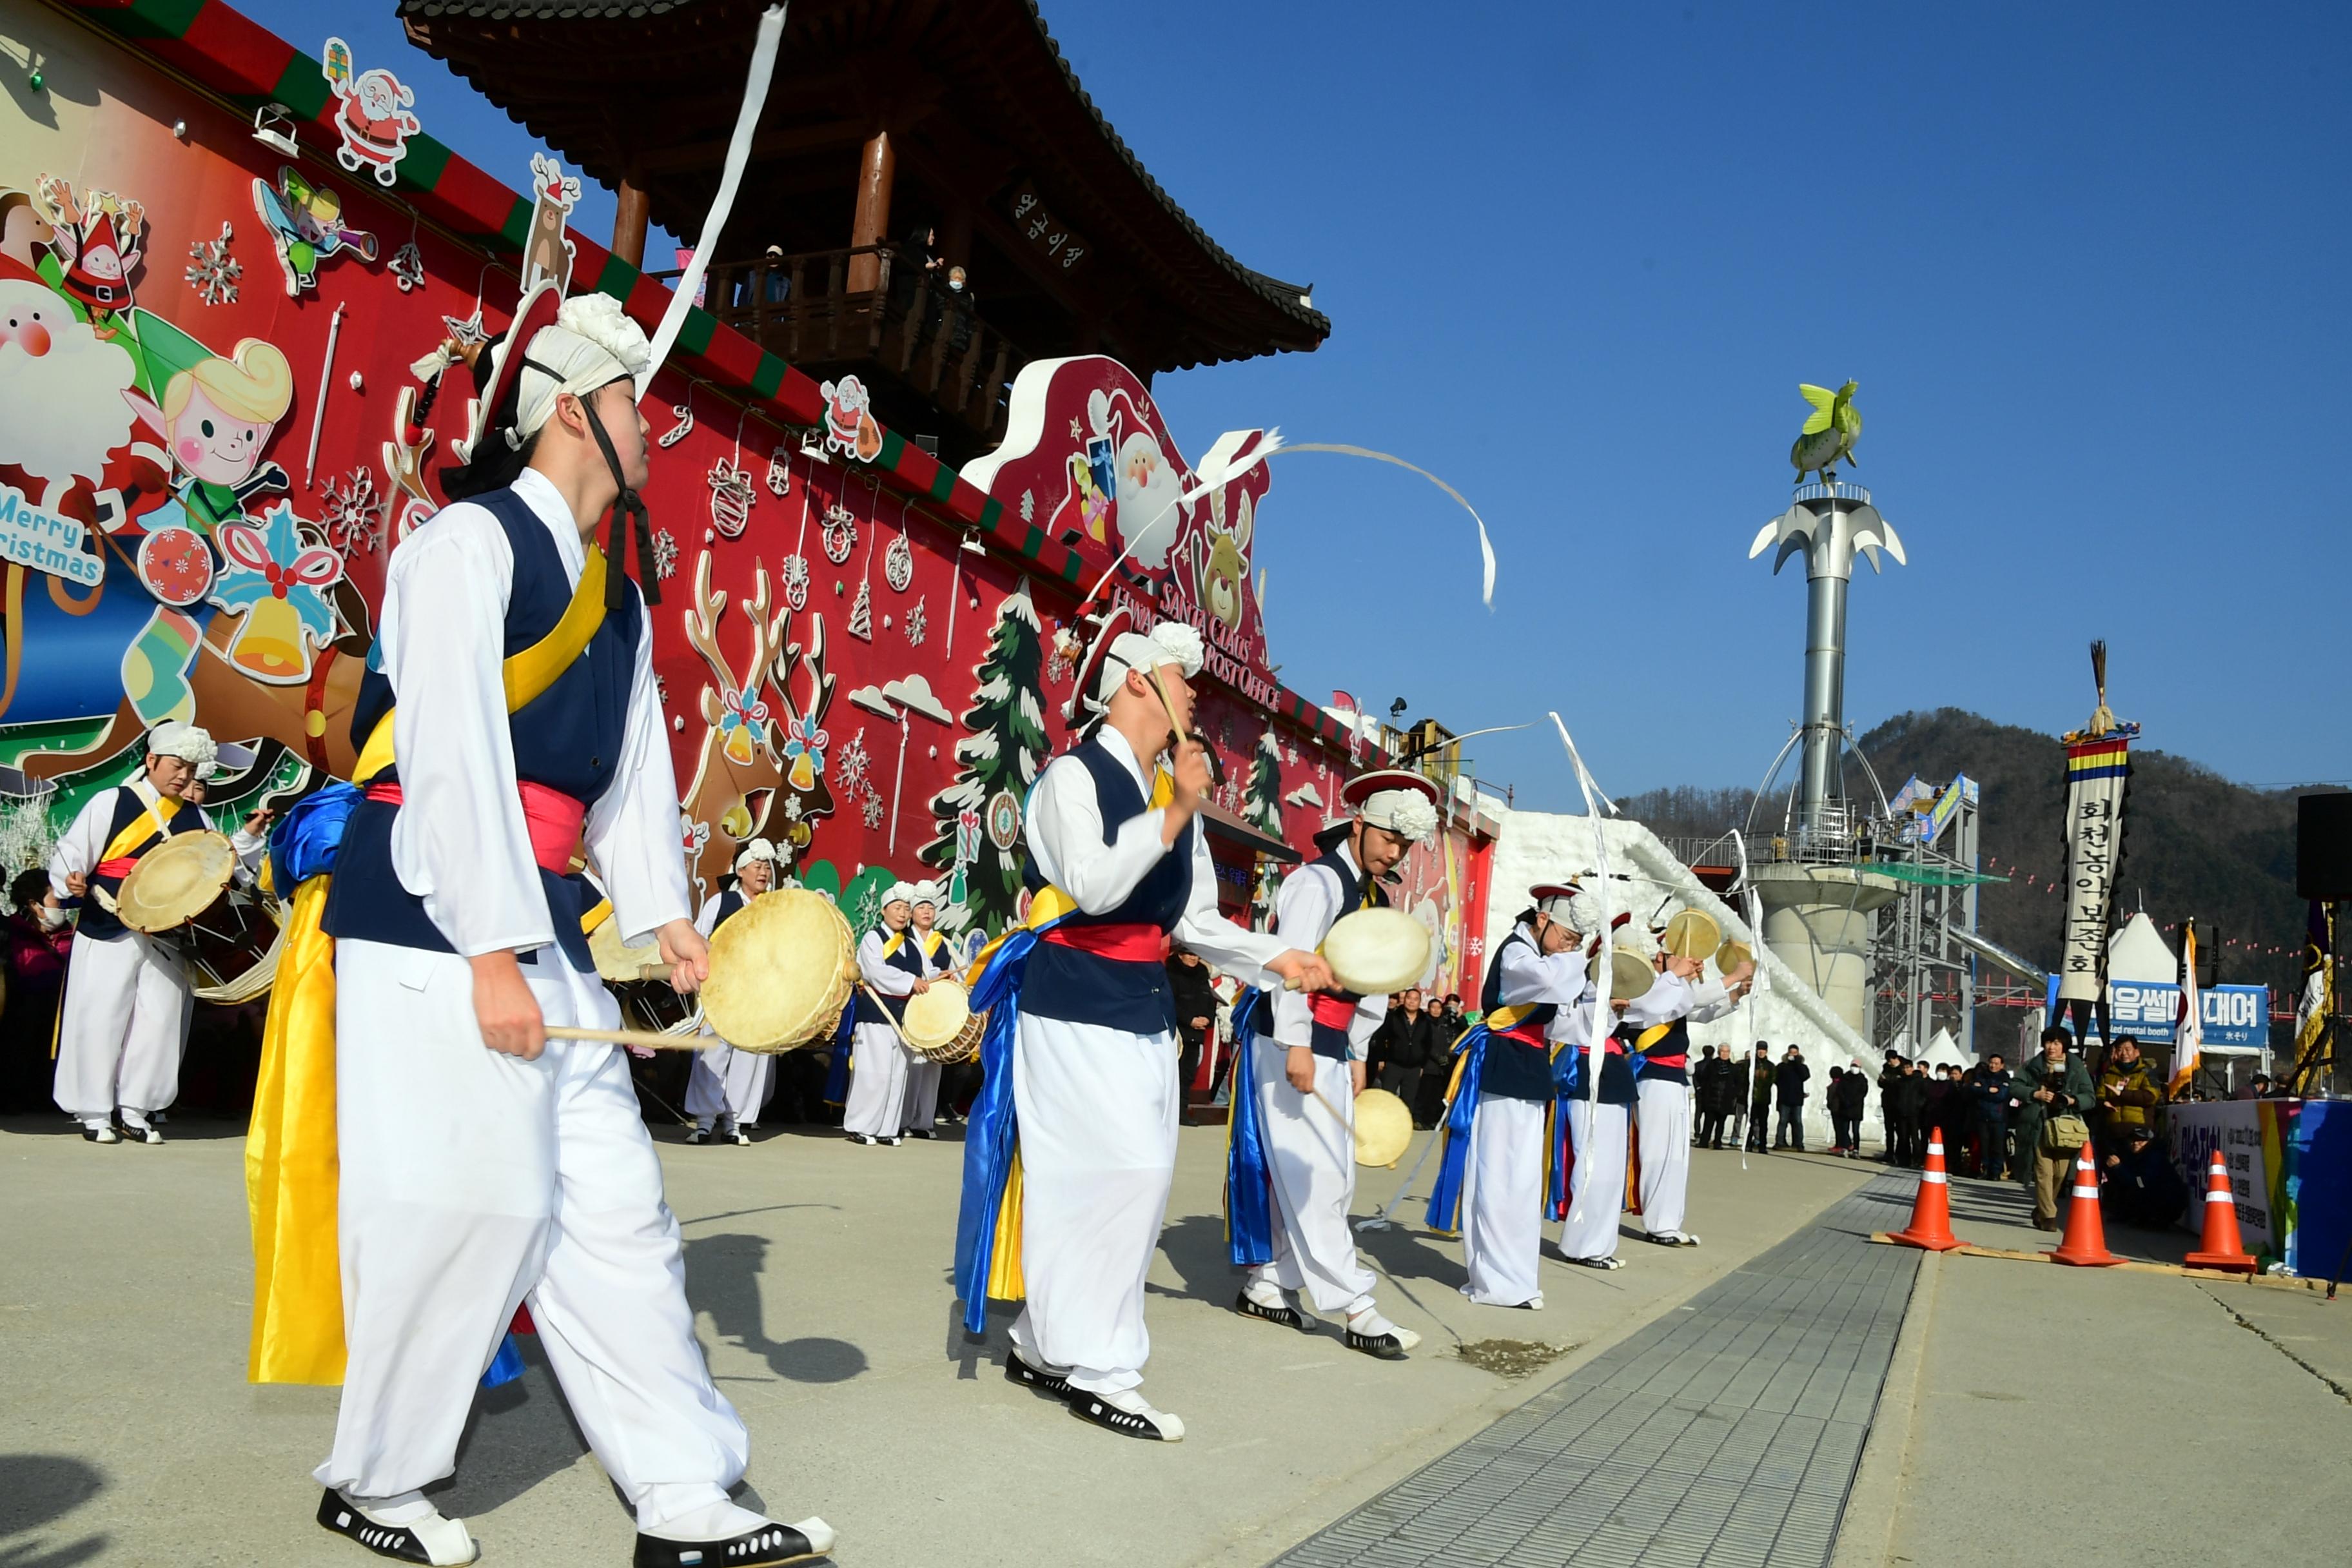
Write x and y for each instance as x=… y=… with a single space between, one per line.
x=1216 y=766
x=889 y=1018
x=648 y=1038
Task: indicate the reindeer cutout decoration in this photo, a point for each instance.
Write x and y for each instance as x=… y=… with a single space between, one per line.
x=1221 y=560
x=754 y=749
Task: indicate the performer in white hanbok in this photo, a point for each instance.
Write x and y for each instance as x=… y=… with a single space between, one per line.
x=1658 y=1020
x=484 y=1166
x=1118 y=863
x=728 y=1087
x=891 y=966
x=1307 y=1062
x=1535 y=984
x=923 y=1101
x=1597 y=1128
x=124 y=1020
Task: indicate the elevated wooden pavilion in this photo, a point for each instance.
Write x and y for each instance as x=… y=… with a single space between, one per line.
x=885 y=117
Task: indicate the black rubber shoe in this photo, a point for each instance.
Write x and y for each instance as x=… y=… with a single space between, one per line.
x=1286 y=1315
x=1019 y=1371
x=398 y=1542
x=762 y=1548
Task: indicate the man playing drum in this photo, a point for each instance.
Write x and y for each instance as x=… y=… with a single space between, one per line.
x=728 y=1087
x=1532 y=1005
x=891 y=966
x=127 y=999
x=1597 y=1124
x=922 y=1103
x=1658 y=1021
x=1116 y=845
x=1310 y=1059
x=484 y=1166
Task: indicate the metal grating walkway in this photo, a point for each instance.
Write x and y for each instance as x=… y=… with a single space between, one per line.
x=1726 y=1433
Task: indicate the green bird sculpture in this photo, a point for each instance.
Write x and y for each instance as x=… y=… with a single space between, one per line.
x=1829 y=434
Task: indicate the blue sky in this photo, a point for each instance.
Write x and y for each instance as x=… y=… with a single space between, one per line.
x=2087 y=262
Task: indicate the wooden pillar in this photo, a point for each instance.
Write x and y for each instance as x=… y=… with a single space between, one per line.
x=631 y=214
x=877 y=168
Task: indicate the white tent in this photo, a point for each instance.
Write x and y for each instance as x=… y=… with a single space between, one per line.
x=2139 y=953
x=1945 y=1051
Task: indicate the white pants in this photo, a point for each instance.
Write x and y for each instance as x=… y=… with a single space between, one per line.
x=728 y=1082
x=472 y=1181
x=1312 y=1155
x=1097 y=1121
x=1502 y=1201
x=878 y=1082
x=1662 y=1113
x=124 y=1027
x=922 y=1106
x=1596 y=1193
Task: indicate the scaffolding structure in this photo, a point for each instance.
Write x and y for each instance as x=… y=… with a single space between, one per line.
x=1925 y=948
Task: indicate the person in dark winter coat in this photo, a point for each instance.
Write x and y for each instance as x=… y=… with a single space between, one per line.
x=1906 y=1103
x=1788 y=1080
x=1988 y=1085
x=2051 y=1085
x=1889 y=1075
x=1759 y=1095
x=2138 y=1186
x=1848 y=1096
x=1192 y=985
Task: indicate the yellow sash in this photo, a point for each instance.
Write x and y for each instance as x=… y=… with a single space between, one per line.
x=135 y=837
x=1652 y=1035
x=292 y=1172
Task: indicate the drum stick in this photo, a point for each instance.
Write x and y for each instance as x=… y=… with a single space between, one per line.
x=1216 y=764
x=889 y=1016
x=648 y=1038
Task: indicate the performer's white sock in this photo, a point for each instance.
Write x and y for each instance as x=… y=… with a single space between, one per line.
x=708 y=1521
x=1368 y=1321
x=1265 y=1292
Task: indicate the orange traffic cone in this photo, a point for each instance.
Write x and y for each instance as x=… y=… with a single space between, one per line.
x=2084 y=1243
x=1931 y=1211
x=2222 y=1248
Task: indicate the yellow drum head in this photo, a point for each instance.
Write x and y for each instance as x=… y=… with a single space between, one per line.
x=177 y=881
x=1691 y=934
x=1374 y=951
x=1629 y=976
x=780 y=972
x=934 y=1019
x=1731 y=955
x=1383 y=1128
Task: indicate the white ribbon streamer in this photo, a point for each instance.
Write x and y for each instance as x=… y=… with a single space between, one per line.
x=738 y=153
x=1596 y=1036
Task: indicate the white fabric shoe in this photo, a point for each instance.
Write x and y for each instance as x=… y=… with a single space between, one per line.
x=99 y=1133
x=1127 y=1413
x=1375 y=1336
x=430 y=1537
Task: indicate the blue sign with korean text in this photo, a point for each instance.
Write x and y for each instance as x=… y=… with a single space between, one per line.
x=2235 y=1017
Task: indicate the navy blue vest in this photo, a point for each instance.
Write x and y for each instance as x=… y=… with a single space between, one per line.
x=908 y=957
x=97 y=921
x=568 y=737
x=730 y=904
x=1330 y=1039
x=1129 y=995
x=1514 y=1069
x=1669 y=1059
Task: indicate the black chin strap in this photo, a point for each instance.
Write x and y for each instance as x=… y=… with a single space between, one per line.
x=626 y=505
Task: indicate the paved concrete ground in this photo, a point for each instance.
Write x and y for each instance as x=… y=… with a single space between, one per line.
x=127 y=1433
x=2039 y=1414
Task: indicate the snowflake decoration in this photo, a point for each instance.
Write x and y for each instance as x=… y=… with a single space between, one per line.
x=661 y=689
x=352 y=514
x=899 y=564
x=1077 y=434
x=684 y=428
x=731 y=498
x=918 y=623
x=408 y=267
x=664 y=555
x=1028 y=506
x=1477 y=946
x=851 y=762
x=780 y=473
x=861 y=613
x=840 y=532
x=212 y=271
x=871 y=809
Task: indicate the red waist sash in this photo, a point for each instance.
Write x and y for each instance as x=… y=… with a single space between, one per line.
x=118 y=869
x=553 y=818
x=1333 y=1012
x=1131 y=941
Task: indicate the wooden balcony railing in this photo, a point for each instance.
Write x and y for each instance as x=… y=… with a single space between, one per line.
x=910 y=325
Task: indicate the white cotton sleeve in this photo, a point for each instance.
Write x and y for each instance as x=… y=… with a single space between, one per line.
x=879 y=972
x=705 y=919
x=1064 y=826
x=1304 y=908
x=633 y=833
x=1232 y=948
x=459 y=842
x=78 y=847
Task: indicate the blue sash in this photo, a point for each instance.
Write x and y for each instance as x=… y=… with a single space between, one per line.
x=1249 y=1173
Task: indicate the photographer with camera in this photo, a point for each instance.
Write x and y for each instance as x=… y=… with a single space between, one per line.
x=2053 y=1095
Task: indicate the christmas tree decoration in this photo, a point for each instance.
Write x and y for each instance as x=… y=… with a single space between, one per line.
x=861 y=613
x=997 y=761
x=408 y=267
x=1264 y=807
x=213 y=272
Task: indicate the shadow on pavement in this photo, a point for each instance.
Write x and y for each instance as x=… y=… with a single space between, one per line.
x=723 y=1274
x=37 y=1489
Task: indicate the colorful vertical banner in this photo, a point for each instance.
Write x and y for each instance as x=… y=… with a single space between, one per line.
x=2188 y=1029
x=2316 y=1004
x=2098 y=773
